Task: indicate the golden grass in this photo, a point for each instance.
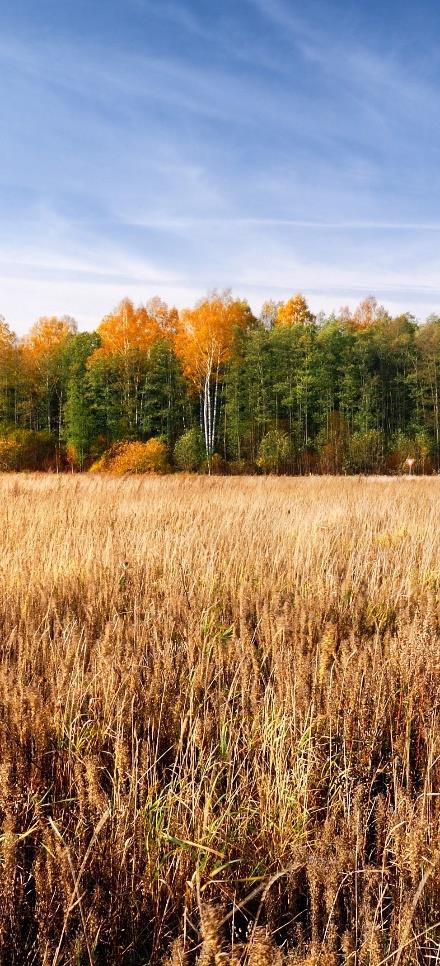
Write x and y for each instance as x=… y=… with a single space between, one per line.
x=219 y=721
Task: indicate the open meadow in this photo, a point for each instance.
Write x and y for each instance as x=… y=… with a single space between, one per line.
x=219 y=721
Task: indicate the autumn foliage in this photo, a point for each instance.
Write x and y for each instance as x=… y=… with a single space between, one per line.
x=125 y=331
x=47 y=334
x=203 y=342
x=293 y=312
x=205 y=335
x=356 y=391
x=41 y=347
x=133 y=457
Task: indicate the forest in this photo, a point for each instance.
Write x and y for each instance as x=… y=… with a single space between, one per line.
x=215 y=388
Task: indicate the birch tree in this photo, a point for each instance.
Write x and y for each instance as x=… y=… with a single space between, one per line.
x=203 y=342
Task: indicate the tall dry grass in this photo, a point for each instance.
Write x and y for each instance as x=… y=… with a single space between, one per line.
x=219 y=721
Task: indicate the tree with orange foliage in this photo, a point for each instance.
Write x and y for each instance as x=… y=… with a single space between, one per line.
x=126 y=338
x=294 y=312
x=368 y=312
x=41 y=353
x=125 y=332
x=203 y=343
x=165 y=317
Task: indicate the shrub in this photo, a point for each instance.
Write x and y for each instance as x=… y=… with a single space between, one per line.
x=189 y=450
x=242 y=468
x=133 y=457
x=216 y=465
x=274 y=451
x=9 y=455
x=73 y=457
x=25 y=449
x=413 y=447
x=365 y=452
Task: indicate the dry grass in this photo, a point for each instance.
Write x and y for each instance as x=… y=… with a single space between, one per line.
x=219 y=719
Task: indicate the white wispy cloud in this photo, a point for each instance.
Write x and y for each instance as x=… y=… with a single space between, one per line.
x=269 y=158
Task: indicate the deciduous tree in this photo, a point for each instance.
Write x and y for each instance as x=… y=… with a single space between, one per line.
x=42 y=360
x=126 y=338
x=294 y=312
x=203 y=342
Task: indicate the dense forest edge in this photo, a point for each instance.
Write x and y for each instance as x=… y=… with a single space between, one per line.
x=216 y=389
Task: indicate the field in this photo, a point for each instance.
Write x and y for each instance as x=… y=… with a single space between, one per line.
x=219 y=721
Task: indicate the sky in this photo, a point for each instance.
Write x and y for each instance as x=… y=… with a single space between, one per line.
x=171 y=147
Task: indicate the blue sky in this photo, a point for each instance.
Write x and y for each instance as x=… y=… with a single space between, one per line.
x=172 y=146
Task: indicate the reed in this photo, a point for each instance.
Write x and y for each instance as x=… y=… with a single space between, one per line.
x=219 y=721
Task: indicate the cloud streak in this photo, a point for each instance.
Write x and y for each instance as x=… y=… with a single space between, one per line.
x=176 y=148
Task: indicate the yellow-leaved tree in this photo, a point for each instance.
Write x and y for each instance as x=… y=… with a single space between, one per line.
x=368 y=312
x=126 y=332
x=41 y=360
x=203 y=343
x=127 y=336
x=294 y=312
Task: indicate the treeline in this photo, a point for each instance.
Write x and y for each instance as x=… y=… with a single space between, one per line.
x=215 y=388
